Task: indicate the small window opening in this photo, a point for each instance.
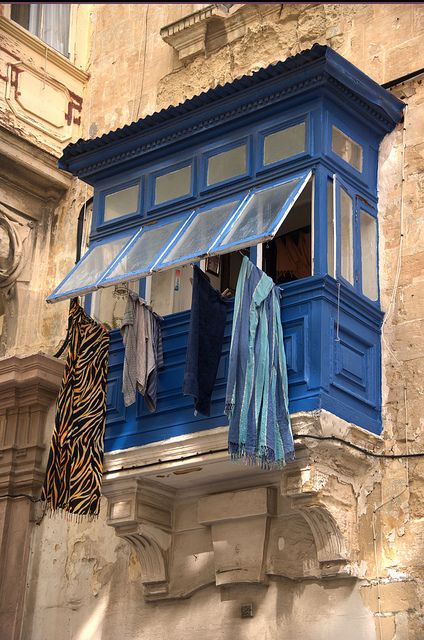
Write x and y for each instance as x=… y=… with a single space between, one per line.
x=288 y=256
x=49 y=22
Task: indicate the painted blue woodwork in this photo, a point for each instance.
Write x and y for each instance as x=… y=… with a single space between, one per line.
x=161 y=170
x=333 y=351
x=214 y=150
x=328 y=367
x=115 y=270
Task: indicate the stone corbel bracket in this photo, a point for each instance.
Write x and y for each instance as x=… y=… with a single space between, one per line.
x=239 y=525
x=142 y=515
x=323 y=486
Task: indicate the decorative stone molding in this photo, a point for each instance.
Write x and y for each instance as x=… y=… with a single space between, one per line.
x=29 y=177
x=323 y=486
x=16 y=232
x=23 y=36
x=28 y=387
x=238 y=556
x=298 y=523
x=42 y=89
x=212 y=27
x=55 y=114
x=142 y=515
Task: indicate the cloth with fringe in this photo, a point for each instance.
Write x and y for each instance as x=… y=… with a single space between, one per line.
x=257 y=388
x=74 y=470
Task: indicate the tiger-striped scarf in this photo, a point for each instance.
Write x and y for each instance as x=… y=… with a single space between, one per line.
x=75 y=465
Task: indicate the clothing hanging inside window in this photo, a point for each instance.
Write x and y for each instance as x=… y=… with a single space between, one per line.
x=142 y=337
x=206 y=335
x=75 y=464
x=257 y=388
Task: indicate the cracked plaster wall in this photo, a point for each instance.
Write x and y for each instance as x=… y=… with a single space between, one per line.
x=84 y=582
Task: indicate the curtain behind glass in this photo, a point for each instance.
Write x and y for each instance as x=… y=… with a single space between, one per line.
x=50 y=22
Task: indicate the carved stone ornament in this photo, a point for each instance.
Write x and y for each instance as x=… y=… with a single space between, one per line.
x=14 y=233
x=300 y=523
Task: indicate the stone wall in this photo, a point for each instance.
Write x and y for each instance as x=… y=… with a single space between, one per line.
x=84 y=581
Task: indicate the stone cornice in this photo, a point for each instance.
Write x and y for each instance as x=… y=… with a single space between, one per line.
x=38 y=369
x=30 y=167
x=28 y=387
x=191 y=37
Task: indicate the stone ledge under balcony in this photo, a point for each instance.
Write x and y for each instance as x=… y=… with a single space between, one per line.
x=195 y=518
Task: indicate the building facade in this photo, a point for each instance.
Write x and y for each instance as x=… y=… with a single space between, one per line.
x=187 y=541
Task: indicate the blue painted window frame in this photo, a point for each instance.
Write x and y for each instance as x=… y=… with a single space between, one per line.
x=132 y=275
x=361 y=203
x=214 y=150
x=365 y=179
x=358 y=202
x=99 y=203
x=281 y=126
x=93 y=286
x=160 y=266
x=165 y=168
x=304 y=176
x=341 y=184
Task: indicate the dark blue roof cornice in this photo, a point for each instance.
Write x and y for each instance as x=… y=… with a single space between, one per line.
x=319 y=68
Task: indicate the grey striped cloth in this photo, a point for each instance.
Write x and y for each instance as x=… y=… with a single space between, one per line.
x=142 y=337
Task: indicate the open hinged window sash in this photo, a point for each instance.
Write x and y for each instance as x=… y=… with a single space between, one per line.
x=95 y=264
x=138 y=259
x=279 y=198
x=201 y=234
x=115 y=260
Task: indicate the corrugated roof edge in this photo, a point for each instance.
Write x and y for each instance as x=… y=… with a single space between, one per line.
x=220 y=92
x=206 y=97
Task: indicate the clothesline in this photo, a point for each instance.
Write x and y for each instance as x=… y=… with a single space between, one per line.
x=256 y=397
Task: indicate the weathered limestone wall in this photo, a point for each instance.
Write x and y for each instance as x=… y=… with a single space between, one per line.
x=85 y=581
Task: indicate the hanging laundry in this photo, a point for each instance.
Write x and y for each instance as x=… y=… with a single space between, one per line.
x=206 y=335
x=75 y=464
x=142 y=336
x=257 y=389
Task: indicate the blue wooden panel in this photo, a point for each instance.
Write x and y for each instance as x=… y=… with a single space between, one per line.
x=333 y=361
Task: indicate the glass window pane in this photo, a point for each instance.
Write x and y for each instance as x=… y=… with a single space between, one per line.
x=259 y=214
x=53 y=25
x=173 y=185
x=121 y=203
x=20 y=13
x=92 y=265
x=369 y=255
x=226 y=165
x=346 y=236
x=330 y=229
x=349 y=150
x=198 y=237
x=108 y=305
x=142 y=253
x=285 y=143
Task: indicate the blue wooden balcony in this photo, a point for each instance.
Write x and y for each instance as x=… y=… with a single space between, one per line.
x=332 y=340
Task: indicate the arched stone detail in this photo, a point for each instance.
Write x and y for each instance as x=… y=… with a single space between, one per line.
x=151 y=546
x=329 y=542
x=141 y=514
x=17 y=231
